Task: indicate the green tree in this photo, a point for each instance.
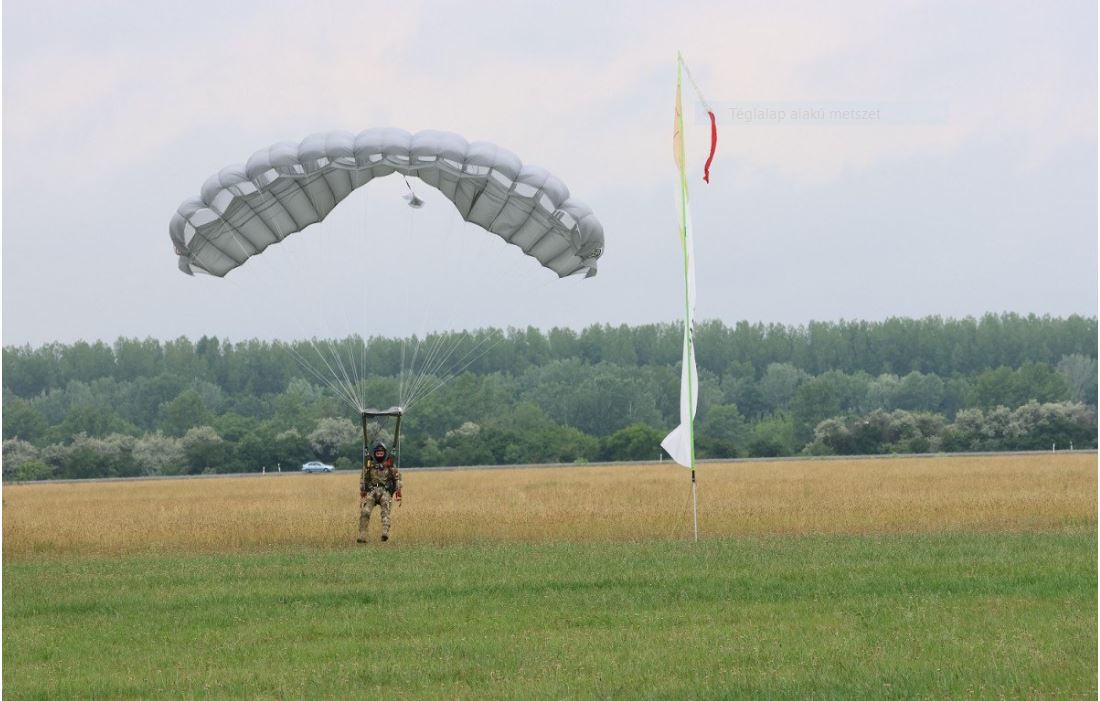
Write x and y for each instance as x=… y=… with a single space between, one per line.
x=233 y=427
x=815 y=400
x=1036 y=426
x=638 y=441
x=22 y=420
x=466 y=445
x=292 y=449
x=185 y=412
x=918 y=392
x=86 y=362
x=334 y=438
x=205 y=450
x=94 y=421
x=563 y=444
x=1010 y=388
x=138 y=358
x=597 y=399
x=158 y=454
x=772 y=437
x=256 y=450
x=29 y=372
x=300 y=405
x=724 y=433
x=779 y=384
x=22 y=461
x=1080 y=375
x=90 y=456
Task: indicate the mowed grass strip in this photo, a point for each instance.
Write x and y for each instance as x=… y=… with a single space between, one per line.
x=581 y=504
x=934 y=616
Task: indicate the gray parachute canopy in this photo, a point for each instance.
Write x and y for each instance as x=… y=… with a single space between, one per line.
x=282 y=189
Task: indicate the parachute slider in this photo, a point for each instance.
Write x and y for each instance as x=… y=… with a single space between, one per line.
x=397 y=411
x=414 y=201
x=392 y=411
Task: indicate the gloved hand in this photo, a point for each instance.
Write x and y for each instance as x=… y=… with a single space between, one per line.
x=397 y=495
x=362 y=494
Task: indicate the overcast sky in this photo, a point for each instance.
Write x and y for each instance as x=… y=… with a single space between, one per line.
x=964 y=180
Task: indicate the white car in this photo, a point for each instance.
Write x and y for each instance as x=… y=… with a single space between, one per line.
x=315 y=466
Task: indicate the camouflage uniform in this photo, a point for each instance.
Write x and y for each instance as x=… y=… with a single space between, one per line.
x=379 y=482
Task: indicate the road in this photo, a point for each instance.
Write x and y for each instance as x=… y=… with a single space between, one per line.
x=545 y=466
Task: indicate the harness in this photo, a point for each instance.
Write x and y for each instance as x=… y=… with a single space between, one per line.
x=381 y=479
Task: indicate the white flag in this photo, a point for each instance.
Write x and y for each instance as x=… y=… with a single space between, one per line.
x=680 y=444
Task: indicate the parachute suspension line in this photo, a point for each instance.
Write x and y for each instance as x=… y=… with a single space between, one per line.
x=431 y=350
x=437 y=352
x=331 y=352
x=424 y=373
x=337 y=388
x=401 y=374
x=460 y=370
x=412 y=376
x=458 y=366
x=410 y=233
x=345 y=363
x=339 y=384
x=364 y=238
x=337 y=367
x=428 y=365
x=407 y=381
x=444 y=346
x=349 y=368
x=436 y=359
x=440 y=348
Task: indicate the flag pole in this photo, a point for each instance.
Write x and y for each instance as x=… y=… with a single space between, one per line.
x=680 y=443
x=689 y=341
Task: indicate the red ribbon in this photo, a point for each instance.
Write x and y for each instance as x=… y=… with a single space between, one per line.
x=713 y=146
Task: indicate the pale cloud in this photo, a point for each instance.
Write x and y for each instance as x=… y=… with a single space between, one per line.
x=117 y=111
x=293 y=69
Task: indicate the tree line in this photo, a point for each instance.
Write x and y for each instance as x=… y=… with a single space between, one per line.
x=143 y=406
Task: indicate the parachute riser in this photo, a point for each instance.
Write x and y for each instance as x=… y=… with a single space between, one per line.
x=369 y=414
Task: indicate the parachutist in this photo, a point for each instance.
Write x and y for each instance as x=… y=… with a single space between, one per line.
x=380 y=482
x=379 y=485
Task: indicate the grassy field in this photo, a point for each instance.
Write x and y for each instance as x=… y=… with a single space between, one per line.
x=583 y=504
x=893 y=578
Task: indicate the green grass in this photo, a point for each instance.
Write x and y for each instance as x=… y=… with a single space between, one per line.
x=923 y=616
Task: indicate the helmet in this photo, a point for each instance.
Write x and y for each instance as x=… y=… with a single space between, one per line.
x=379 y=453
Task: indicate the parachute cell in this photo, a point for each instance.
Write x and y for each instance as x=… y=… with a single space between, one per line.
x=285 y=188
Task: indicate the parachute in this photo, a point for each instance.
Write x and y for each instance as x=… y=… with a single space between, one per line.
x=285 y=188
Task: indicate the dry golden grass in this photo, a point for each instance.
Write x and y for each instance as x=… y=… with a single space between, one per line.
x=1032 y=492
